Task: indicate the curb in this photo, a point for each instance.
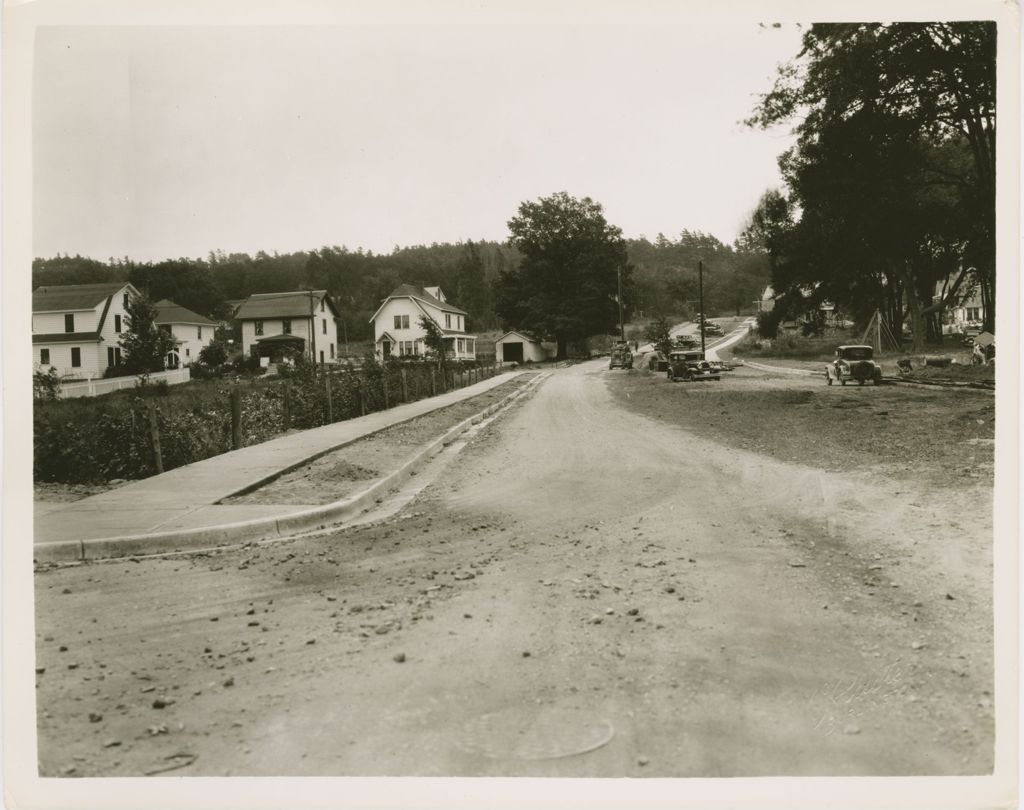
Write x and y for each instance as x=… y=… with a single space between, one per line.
x=265 y=528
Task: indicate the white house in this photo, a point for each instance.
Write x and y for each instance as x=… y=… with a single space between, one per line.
x=191 y=332
x=518 y=347
x=76 y=328
x=397 y=330
x=303 y=320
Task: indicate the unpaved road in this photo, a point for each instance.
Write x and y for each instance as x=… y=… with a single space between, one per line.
x=584 y=591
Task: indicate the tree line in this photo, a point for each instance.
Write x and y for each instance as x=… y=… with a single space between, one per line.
x=660 y=278
x=889 y=198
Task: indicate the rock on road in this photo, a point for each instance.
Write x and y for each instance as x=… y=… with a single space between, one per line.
x=581 y=592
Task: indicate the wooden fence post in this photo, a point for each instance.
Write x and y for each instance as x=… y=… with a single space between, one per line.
x=287 y=403
x=236 y=418
x=359 y=393
x=154 y=438
x=330 y=403
x=405 y=387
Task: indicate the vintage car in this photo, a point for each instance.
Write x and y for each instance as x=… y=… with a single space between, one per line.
x=689 y=366
x=853 y=363
x=621 y=357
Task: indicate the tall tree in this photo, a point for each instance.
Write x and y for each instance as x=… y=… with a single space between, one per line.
x=145 y=345
x=566 y=285
x=912 y=105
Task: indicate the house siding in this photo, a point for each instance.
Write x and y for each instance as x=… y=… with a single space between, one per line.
x=326 y=342
x=414 y=309
x=93 y=353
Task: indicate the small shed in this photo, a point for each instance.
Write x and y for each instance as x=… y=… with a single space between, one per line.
x=519 y=347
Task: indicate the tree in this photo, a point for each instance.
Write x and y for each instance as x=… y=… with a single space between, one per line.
x=566 y=286
x=659 y=333
x=145 y=345
x=893 y=171
x=433 y=339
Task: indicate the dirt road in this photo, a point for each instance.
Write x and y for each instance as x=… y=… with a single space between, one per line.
x=584 y=591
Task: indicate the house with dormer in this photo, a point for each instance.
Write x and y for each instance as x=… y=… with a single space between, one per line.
x=396 y=324
x=76 y=328
x=302 y=321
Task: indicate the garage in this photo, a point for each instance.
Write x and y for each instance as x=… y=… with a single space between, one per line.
x=512 y=352
x=518 y=347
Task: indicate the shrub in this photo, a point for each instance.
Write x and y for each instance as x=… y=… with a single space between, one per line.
x=46 y=385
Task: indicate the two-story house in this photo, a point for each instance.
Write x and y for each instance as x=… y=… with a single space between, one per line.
x=76 y=328
x=305 y=321
x=397 y=330
x=191 y=332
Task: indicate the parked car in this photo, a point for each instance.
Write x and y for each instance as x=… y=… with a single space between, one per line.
x=689 y=366
x=853 y=363
x=621 y=357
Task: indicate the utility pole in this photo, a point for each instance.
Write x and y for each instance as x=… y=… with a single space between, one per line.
x=622 y=328
x=312 y=331
x=700 y=289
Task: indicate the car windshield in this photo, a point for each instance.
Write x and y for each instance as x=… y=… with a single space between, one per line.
x=856 y=353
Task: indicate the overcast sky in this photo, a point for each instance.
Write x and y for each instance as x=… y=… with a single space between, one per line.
x=160 y=142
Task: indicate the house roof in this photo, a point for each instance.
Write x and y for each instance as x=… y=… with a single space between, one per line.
x=169 y=312
x=68 y=297
x=293 y=304
x=281 y=339
x=67 y=337
x=529 y=338
x=412 y=291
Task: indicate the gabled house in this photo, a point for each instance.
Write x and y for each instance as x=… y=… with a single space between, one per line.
x=76 y=328
x=397 y=330
x=191 y=332
x=305 y=321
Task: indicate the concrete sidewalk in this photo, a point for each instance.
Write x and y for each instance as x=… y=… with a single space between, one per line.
x=184 y=500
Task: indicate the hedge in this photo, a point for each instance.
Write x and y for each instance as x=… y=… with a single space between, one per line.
x=87 y=440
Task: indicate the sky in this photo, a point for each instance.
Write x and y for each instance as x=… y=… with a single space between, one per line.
x=159 y=142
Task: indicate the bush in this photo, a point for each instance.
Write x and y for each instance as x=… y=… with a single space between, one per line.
x=90 y=439
x=214 y=354
x=46 y=385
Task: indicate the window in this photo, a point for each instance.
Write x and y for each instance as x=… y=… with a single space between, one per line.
x=286 y=326
x=401 y=322
x=69 y=323
x=76 y=357
x=258 y=327
x=124 y=301
x=325 y=326
x=447 y=321
x=321 y=304
x=407 y=348
x=321 y=357
x=199 y=333
x=188 y=352
x=110 y=355
x=117 y=324
x=332 y=351
x=458 y=322
x=44 y=356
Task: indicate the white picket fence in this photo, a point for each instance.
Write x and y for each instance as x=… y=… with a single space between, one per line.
x=92 y=388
